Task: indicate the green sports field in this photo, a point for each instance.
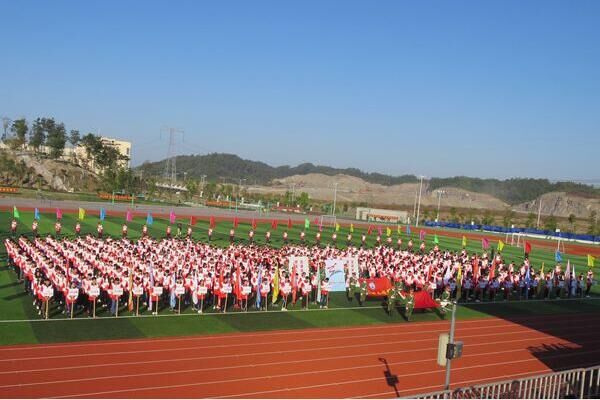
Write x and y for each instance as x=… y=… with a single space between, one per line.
x=19 y=322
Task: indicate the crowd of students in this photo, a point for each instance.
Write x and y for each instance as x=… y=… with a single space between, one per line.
x=89 y=272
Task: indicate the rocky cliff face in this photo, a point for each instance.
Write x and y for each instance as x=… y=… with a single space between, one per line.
x=561 y=204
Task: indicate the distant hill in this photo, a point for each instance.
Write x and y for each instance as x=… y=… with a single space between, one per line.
x=217 y=166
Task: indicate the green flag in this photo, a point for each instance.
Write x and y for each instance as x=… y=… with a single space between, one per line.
x=16 y=213
x=436 y=240
x=306 y=223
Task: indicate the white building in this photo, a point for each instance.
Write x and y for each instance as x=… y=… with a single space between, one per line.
x=381 y=215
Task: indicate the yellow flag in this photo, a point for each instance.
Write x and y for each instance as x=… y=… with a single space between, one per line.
x=81 y=214
x=388 y=231
x=464 y=242
x=337 y=227
x=542 y=269
x=351 y=228
x=276 y=284
x=399 y=230
x=500 y=245
x=591 y=260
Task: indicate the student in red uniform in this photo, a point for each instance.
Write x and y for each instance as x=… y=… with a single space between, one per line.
x=57 y=228
x=285 y=289
x=144 y=231
x=285 y=238
x=302 y=237
x=124 y=231
x=13 y=227
x=306 y=289
x=168 y=231
x=251 y=236
x=100 y=230
x=231 y=235
x=78 y=228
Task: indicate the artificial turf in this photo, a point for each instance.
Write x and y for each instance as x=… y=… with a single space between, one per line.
x=19 y=322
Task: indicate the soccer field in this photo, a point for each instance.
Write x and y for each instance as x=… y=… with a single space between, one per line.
x=20 y=323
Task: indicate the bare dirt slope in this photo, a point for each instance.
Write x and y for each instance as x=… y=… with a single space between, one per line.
x=352 y=189
x=561 y=204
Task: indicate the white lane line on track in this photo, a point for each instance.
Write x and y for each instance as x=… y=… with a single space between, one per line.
x=468 y=345
x=503 y=333
x=248 y=395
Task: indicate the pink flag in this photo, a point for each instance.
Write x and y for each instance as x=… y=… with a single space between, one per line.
x=172 y=217
x=485 y=243
x=128 y=216
x=379 y=230
x=58 y=213
x=422 y=235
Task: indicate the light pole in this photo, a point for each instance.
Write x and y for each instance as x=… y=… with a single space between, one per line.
x=440 y=192
x=539 y=213
x=451 y=341
x=335 y=184
x=419 y=203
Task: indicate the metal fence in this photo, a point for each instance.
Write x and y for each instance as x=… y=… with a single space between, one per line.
x=582 y=383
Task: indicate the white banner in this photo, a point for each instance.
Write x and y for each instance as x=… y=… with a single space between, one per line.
x=334 y=270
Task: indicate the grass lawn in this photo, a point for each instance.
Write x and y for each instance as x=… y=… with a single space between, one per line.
x=19 y=322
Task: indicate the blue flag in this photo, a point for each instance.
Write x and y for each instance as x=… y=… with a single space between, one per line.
x=36 y=214
x=258 y=283
x=102 y=214
x=408 y=229
x=149 y=219
x=557 y=256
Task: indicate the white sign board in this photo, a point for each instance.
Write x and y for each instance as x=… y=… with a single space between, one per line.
x=202 y=290
x=48 y=292
x=246 y=290
x=138 y=291
x=117 y=291
x=94 y=292
x=179 y=290
x=74 y=293
x=226 y=289
x=157 y=290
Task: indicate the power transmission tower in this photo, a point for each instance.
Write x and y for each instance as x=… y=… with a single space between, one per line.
x=170 y=173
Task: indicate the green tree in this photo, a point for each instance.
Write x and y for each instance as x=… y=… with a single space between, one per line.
x=550 y=223
x=192 y=187
x=19 y=129
x=488 y=218
x=530 y=222
x=572 y=221
x=74 y=137
x=303 y=200
x=453 y=217
x=56 y=138
x=508 y=217
x=37 y=134
x=593 y=228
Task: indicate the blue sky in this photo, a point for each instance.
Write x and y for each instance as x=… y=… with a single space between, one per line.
x=440 y=88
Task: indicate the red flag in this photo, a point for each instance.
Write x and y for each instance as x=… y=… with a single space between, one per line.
x=289 y=223
x=253 y=224
x=294 y=285
x=476 y=268
x=128 y=216
x=527 y=247
x=213 y=224
x=485 y=243
x=238 y=283
x=493 y=269
x=422 y=235
x=379 y=231
x=424 y=300
x=192 y=220
x=316 y=221
x=58 y=213
x=370 y=230
x=378 y=287
x=235 y=222
x=274 y=224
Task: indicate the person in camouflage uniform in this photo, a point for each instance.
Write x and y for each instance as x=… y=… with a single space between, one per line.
x=410 y=304
x=392 y=298
x=363 y=292
x=445 y=301
x=353 y=284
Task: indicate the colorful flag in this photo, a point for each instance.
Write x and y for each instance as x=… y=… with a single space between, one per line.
x=422 y=235
x=289 y=223
x=149 y=219
x=388 y=231
x=192 y=220
x=337 y=227
x=351 y=228
x=527 y=247
x=408 y=229
x=591 y=260
x=258 y=283
x=435 y=239
x=58 y=213
x=274 y=224
x=557 y=256
x=485 y=243
x=542 y=269
x=568 y=273
x=102 y=214
x=369 y=230
x=212 y=223
x=16 y=213
x=399 y=229
x=236 y=222
x=306 y=223
x=130 y=300
x=379 y=230
x=81 y=214
x=36 y=214
x=128 y=216
x=275 y=285
x=459 y=283
x=294 y=284
x=253 y=224
x=464 y=241
x=172 y=217
x=500 y=245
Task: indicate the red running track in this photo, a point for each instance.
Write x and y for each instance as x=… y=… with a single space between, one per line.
x=312 y=363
